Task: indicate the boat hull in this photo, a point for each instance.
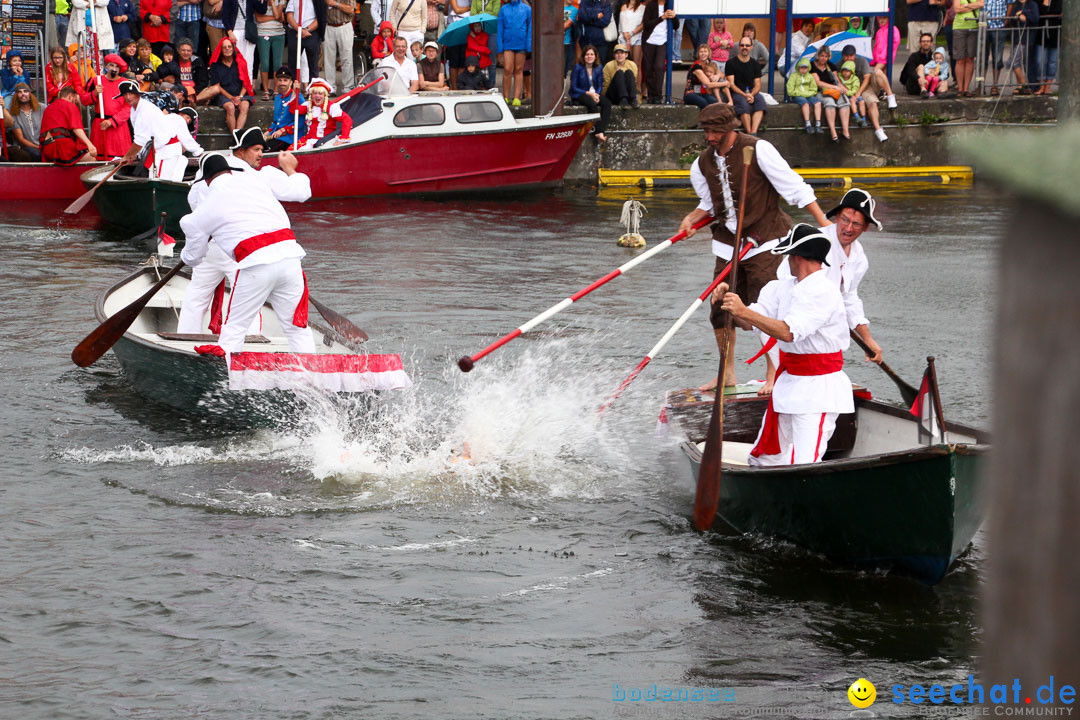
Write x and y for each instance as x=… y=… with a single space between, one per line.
x=443 y=163
x=135 y=205
x=42 y=181
x=914 y=512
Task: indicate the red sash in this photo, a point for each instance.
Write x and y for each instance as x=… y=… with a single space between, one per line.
x=258 y=242
x=149 y=162
x=795 y=364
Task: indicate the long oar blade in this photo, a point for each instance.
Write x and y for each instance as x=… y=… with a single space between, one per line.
x=907 y=392
x=107 y=333
x=468 y=362
x=80 y=203
x=340 y=323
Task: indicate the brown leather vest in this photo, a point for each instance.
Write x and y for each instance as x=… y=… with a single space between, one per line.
x=763 y=219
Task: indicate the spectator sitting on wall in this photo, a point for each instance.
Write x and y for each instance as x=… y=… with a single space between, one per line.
x=871 y=81
x=850 y=83
x=701 y=89
x=280 y=132
x=586 y=88
x=471 y=78
x=937 y=73
x=416 y=50
x=193 y=73
x=620 y=79
x=831 y=93
x=744 y=79
x=145 y=65
x=128 y=52
x=230 y=84
x=880 y=60
x=912 y=76
x=63 y=140
x=430 y=69
x=802 y=88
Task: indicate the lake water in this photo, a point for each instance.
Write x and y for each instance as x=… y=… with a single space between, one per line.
x=154 y=566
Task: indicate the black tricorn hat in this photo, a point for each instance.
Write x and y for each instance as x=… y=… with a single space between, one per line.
x=214 y=165
x=805 y=241
x=857 y=199
x=248 y=138
x=125 y=87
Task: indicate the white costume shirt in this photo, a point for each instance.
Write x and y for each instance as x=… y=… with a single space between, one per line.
x=846 y=270
x=169 y=126
x=240 y=206
x=814 y=312
x=406 y=70
x=784 y=180
x=199 y=188
x=144 y=121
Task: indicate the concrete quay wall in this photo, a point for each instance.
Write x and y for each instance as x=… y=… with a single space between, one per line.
x=655 y=137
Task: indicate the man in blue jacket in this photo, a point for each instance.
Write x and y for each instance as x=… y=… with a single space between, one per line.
x=280 y=133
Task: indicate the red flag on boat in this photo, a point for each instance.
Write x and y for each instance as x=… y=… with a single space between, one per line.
x=923 y=409
x=165 y=244
x=331 y=372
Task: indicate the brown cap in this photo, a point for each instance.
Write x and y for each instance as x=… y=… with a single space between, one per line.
x=717 y=116
x=621 y=47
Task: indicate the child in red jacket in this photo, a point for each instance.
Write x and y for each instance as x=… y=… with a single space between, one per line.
x=477 y=45
x=383 y=44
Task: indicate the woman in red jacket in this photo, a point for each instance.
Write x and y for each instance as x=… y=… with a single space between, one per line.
x=155 y=23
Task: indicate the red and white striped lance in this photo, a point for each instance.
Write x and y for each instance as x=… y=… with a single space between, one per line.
x=466 y=363
x=675 y=328
x=330 y=372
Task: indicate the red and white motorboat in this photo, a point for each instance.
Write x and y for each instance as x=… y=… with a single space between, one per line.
x=437 y=142
x=42 y=181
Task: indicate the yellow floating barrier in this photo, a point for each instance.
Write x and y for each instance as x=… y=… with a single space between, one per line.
x=840 y=177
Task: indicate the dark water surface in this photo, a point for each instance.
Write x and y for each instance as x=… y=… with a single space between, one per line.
x=153 y=566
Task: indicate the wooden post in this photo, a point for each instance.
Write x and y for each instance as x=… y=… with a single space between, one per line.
x=1030 y=611
x=547 y=65
x=1069 y=63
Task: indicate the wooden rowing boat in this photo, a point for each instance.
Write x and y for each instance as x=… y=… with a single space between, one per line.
x=878 y=499
x=164 y=367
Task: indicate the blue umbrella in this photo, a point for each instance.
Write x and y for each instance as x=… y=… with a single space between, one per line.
x=836 y=43
x=458 y=33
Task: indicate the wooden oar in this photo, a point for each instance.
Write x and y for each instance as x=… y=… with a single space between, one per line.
x=340 y=323
x=107 y=333
x=468 y=362
x=79 y=204
x=708 y=484
x=672 y=330
x=907 y=393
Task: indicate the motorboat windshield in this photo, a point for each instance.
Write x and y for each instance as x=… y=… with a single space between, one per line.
x=387 y=82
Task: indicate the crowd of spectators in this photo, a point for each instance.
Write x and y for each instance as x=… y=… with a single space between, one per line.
x=615 y=55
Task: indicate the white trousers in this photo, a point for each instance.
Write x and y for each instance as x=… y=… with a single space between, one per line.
x=205 y=277
x=282 y=283
x=412 y=36
x=803 y=439
x=170 y=167
x=339 y=40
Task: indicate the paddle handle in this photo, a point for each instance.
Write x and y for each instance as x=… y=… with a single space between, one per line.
x=468 y=362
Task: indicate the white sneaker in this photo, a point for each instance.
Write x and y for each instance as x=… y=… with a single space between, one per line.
x=891 y=101
x=880 y=135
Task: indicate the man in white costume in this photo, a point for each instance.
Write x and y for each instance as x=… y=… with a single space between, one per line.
x=168 y=131
x=806 y=314
x=242 y=211
x=206 y=288
x=847 y=265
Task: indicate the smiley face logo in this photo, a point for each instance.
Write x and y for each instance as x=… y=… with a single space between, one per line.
x=862 y=693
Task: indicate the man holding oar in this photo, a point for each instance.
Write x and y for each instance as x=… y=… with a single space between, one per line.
x=806 y=314
x=716 y=176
